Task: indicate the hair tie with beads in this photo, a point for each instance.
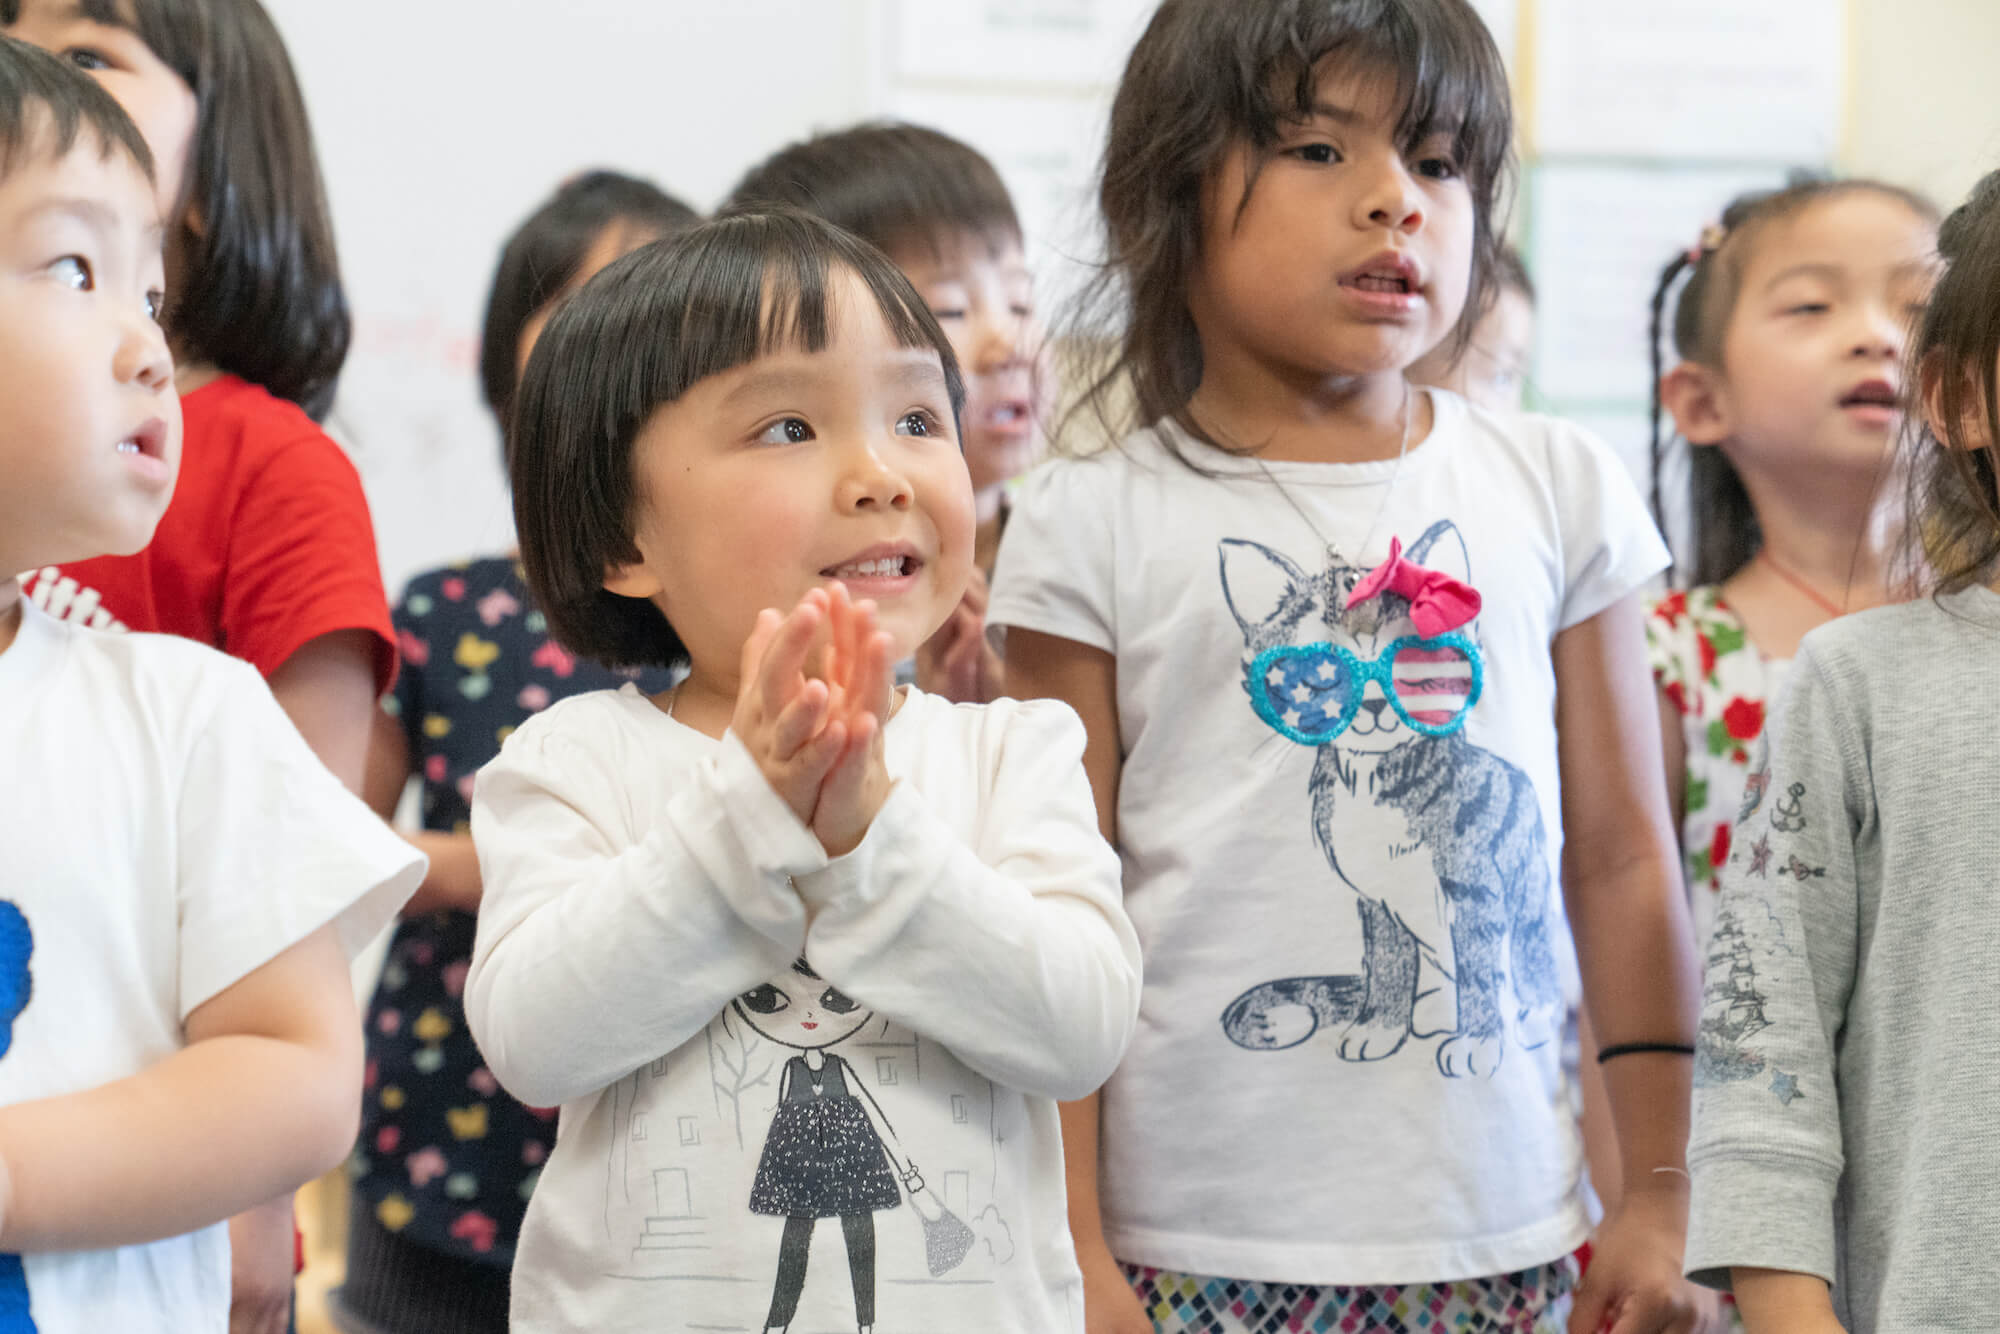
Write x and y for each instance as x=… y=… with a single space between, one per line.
x=1712 y=237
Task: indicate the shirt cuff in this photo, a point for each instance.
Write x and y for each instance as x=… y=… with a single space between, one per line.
x=766 y=845
x=1760 y=1213
x=879 y=882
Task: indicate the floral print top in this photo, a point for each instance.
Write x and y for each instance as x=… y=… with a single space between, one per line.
x=447 y=1160
x=1722 y=686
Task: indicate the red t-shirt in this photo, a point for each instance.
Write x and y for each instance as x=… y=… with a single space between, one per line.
x=266 y=545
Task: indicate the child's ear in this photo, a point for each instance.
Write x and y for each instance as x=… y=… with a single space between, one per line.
x=1969 y=432
x=633 y=579
x=1693 y=394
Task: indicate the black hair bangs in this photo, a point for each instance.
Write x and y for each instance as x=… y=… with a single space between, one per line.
x=47 y=105
x=749 y=302
x=1449 y=79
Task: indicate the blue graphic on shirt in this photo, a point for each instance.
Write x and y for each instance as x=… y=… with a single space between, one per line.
x=1440 y=840
x=17 y=945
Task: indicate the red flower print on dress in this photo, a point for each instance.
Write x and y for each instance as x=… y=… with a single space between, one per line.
x=1676 y=694
x=553 y=657
x=453 y=589
x=387 y=1138
x=475 y=1230
x=1671 y=608
x=1744 y=718
x=1718 y=851
x=1707 y=649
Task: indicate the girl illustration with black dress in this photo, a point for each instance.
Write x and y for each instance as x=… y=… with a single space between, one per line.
x=831 y=1153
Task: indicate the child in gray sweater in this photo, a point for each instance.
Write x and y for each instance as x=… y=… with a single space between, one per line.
x=1847 y=1106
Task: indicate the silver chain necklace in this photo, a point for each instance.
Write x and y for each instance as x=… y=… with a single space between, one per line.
x=1359 y=556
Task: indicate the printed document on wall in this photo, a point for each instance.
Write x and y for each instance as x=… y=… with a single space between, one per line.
x=1713 y=80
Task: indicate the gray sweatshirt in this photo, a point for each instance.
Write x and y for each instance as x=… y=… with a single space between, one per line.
x=1847 y=1077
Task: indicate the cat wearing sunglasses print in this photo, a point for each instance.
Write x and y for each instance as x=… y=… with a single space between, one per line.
x=1440 y=840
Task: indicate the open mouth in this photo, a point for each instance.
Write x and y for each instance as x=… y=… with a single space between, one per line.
x=1389 y=273
x=1382 y=282
x=149 y=441
x=874 y=567
x=1871 y=394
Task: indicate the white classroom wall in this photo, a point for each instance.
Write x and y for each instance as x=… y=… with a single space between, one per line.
x=442 y=122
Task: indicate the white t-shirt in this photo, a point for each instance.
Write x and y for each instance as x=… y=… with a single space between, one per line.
x=1346 y=1069
x=167 y=832
x=648 y=902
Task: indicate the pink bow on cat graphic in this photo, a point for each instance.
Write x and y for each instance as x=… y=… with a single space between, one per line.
x=1439 y=603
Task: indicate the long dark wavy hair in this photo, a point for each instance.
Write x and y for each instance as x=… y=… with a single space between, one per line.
x=1725 y=535
x=1955 y=359
x=1210 y=75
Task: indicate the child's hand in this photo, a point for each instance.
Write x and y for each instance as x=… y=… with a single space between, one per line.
x=784 y=720
x=957 y=662
x=857 y=676
x=1634 y=1285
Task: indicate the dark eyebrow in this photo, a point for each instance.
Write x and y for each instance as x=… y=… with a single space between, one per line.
x=1338 y=115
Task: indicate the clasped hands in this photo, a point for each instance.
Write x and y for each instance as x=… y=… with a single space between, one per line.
x=814 y=694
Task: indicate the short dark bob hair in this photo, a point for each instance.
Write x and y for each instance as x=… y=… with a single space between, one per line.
x=894 y=185
x=545 y=252
x=637 y=337
x=262 y=296
x=46 y=104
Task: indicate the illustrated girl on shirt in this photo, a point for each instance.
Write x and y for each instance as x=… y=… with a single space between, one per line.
x=831 y=1152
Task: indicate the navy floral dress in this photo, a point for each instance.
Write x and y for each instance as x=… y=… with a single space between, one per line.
x=446 y=1160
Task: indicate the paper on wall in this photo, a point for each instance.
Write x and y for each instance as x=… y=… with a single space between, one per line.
x=1711 y=80
x=1077 y=43
x=1600 y=237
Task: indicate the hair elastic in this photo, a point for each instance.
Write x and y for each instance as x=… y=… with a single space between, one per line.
x=1712 y=237
x=1628 y=1048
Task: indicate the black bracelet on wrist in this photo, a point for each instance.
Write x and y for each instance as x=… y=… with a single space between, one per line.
x=1628 y=1048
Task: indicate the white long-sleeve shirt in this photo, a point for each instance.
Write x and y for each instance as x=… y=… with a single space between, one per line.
x=648 y=899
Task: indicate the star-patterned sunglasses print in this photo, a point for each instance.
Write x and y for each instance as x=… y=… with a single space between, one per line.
x=1311 y=692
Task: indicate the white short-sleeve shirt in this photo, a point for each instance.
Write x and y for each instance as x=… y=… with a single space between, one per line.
x=1345 y=880
x=166 y=832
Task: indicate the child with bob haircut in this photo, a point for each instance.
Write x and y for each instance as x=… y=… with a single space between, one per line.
x=186 y=882
x=1845 y=1132
x=937 y=208
x=784 y=944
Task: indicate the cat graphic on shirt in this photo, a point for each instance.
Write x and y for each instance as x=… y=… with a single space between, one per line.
x=1440 y=840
